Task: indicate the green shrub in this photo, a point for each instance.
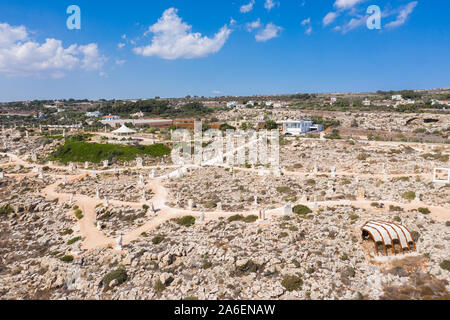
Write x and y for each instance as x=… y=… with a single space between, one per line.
x=251 y=218
x=344 y=257
x=445 y=265
x=415 y=235
x=210 y=205
x=79 y=214
x=158 y=239
x=249 y=267
x=81 y=151
x=395 y=208
x=191 y=298
x=291 y=283
x=119 y=274
x=5 y=210
x=159 y=286
x=67 y=259
x=301 y=209
x=283 y=189
x=186 y=221
x=410 y=195
x=72 y=241
x=207 y=264
x=237 y=217
x=66 y=232
x=424 y=210
x=363 y=156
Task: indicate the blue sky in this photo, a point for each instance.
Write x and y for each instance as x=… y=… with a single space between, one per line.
x=143 y=49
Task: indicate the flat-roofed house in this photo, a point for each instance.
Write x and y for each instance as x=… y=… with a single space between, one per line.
x=298 y=127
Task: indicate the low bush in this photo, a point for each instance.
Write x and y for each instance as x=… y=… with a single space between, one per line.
x=210 y=205
x=158 y=239
x=67 y=259
x=79 y=214
x=291 y=283
x=72 y=241
x=301 y=209
x=119 y=274
x=251 y=218
x=424 y=210
x=237 y=217
x=159 y=286
x=249 y=267
x=410 y=195
x=445 y=265
x=5 y=210
x=186 y=221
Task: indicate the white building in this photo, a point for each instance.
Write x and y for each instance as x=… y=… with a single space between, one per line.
x=397 y=97
x=298 y=127
x=95 y=114
x=231 y=104
x=367 y=102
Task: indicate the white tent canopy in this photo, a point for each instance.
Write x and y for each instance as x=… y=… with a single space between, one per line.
x=124 y=130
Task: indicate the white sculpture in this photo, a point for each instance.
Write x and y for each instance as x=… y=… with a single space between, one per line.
x=287 y=210
x=119 y=243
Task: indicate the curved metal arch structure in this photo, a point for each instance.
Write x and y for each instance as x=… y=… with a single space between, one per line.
x=389 y=234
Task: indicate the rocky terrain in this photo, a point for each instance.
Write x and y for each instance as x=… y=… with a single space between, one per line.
x=316 y=256
x=59 y=239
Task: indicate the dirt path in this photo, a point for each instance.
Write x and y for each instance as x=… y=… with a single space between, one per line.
x=94 y=238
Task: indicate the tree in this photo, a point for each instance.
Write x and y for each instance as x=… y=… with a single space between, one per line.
x=271 y=125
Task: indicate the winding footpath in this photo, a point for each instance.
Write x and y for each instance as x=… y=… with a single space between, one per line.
x=94 y=238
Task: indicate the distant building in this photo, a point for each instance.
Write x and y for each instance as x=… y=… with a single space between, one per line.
x=95 y=114
x=154 y=123
x=331 y=101
x=298 y=127
x=367 y=102
x=111 y=118
x=434 y=102
x=139 y=114
x=397 y=97
x=231 y=104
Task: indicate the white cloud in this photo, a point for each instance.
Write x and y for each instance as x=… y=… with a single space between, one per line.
x=247 y=7
x=329 y=18
x=270 y=4
x=253 y=25
x=269 y=32
x=22 y=56
x=121 y=45
x=120 y=62
x=309 y=30
x=403 y=15
x=217 y=92
x=306 y=21
x=174 y=39
x=353 y=24
x=346 y=4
